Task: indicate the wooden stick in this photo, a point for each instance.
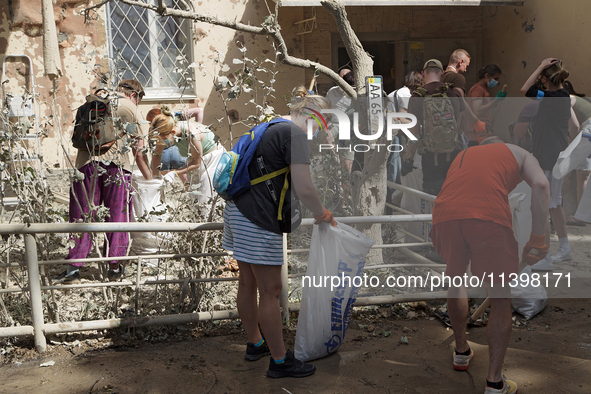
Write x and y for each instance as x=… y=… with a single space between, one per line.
x=479 y=311
x=504 y=88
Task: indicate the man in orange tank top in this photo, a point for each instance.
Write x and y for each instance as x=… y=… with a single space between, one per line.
x=472 y=224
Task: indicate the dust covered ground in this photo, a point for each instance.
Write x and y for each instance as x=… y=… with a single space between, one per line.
x=549 y=354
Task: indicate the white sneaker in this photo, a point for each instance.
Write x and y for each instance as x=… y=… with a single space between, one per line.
x=544 y=264
x=509 y=387
x=562 y=254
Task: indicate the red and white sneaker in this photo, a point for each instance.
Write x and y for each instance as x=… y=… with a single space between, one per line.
x=461 y=363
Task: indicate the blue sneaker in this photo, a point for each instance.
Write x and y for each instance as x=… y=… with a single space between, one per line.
x=290 y=368
x=254 y=353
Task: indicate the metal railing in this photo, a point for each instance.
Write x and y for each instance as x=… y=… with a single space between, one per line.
x=39 y=328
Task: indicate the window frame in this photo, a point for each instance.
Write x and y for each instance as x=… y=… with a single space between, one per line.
x=160 y=93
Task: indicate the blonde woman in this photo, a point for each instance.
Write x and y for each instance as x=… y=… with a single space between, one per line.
x=204 y=152
x=253 y=233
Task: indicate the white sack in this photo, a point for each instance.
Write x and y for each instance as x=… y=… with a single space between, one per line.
x=148 y=205
x=584 y=210
x=528 y=300
x=572 y=157
x=338 y=252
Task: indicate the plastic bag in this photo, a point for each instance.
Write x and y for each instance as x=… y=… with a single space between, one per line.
x=148 y=205
x=520 y=205
x=572 y=157
x=528 y=300
x=584 y=210
x=326 y=307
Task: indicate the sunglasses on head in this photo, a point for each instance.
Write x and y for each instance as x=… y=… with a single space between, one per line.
x=126 y=86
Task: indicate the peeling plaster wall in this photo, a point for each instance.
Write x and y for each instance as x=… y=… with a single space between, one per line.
x=523 y=36
x=82 y=45
x=209 y=40
x=540 y=29
x=20 y=29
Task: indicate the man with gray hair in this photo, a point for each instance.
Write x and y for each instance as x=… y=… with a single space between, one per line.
x=456 y=67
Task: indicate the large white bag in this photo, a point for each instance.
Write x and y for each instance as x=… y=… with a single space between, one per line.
x=584 y=210
x=528 y=300
x=148 y=204
x=338 y=252
x=573 y=156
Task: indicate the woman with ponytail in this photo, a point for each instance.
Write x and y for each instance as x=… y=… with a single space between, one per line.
x=253 y=233
x=166 y=156
x=204 y=152
x=550 y=137
x=480 y=102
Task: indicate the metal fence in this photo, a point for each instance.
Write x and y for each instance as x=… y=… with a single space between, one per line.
x=39 y=328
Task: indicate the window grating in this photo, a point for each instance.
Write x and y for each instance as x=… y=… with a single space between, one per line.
x=151 y=47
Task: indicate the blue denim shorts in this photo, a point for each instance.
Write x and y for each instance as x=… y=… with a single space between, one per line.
x=171 y=159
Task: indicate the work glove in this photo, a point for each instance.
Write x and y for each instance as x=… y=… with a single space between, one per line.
x=169 y=177
x=535 y=243
x=501 y=95
x=479 y=127
x=325 y=217
x=481 y=131
x=406 y=167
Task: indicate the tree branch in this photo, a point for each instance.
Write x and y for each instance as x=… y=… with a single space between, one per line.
x=271 y=29
x=96 y=6
x=362 y=63
x=161 y=7
x=308 y=64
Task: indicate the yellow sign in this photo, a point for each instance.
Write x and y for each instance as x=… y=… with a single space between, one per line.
x=417 y=45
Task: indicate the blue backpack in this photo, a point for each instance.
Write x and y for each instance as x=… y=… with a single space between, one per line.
x=232 y=179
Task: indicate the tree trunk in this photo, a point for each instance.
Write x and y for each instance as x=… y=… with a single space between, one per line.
x=369 y=190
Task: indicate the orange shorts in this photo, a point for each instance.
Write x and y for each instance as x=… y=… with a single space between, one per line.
x=490 y=247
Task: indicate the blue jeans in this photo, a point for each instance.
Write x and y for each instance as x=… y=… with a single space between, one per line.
x=171 y=159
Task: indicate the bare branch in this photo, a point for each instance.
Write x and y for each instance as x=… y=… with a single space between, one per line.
x=86 y=11
x=161 y=7
x=362 y=63
x=308 y=64
x=268 y=9
x=260 y=30
x=272 y=29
